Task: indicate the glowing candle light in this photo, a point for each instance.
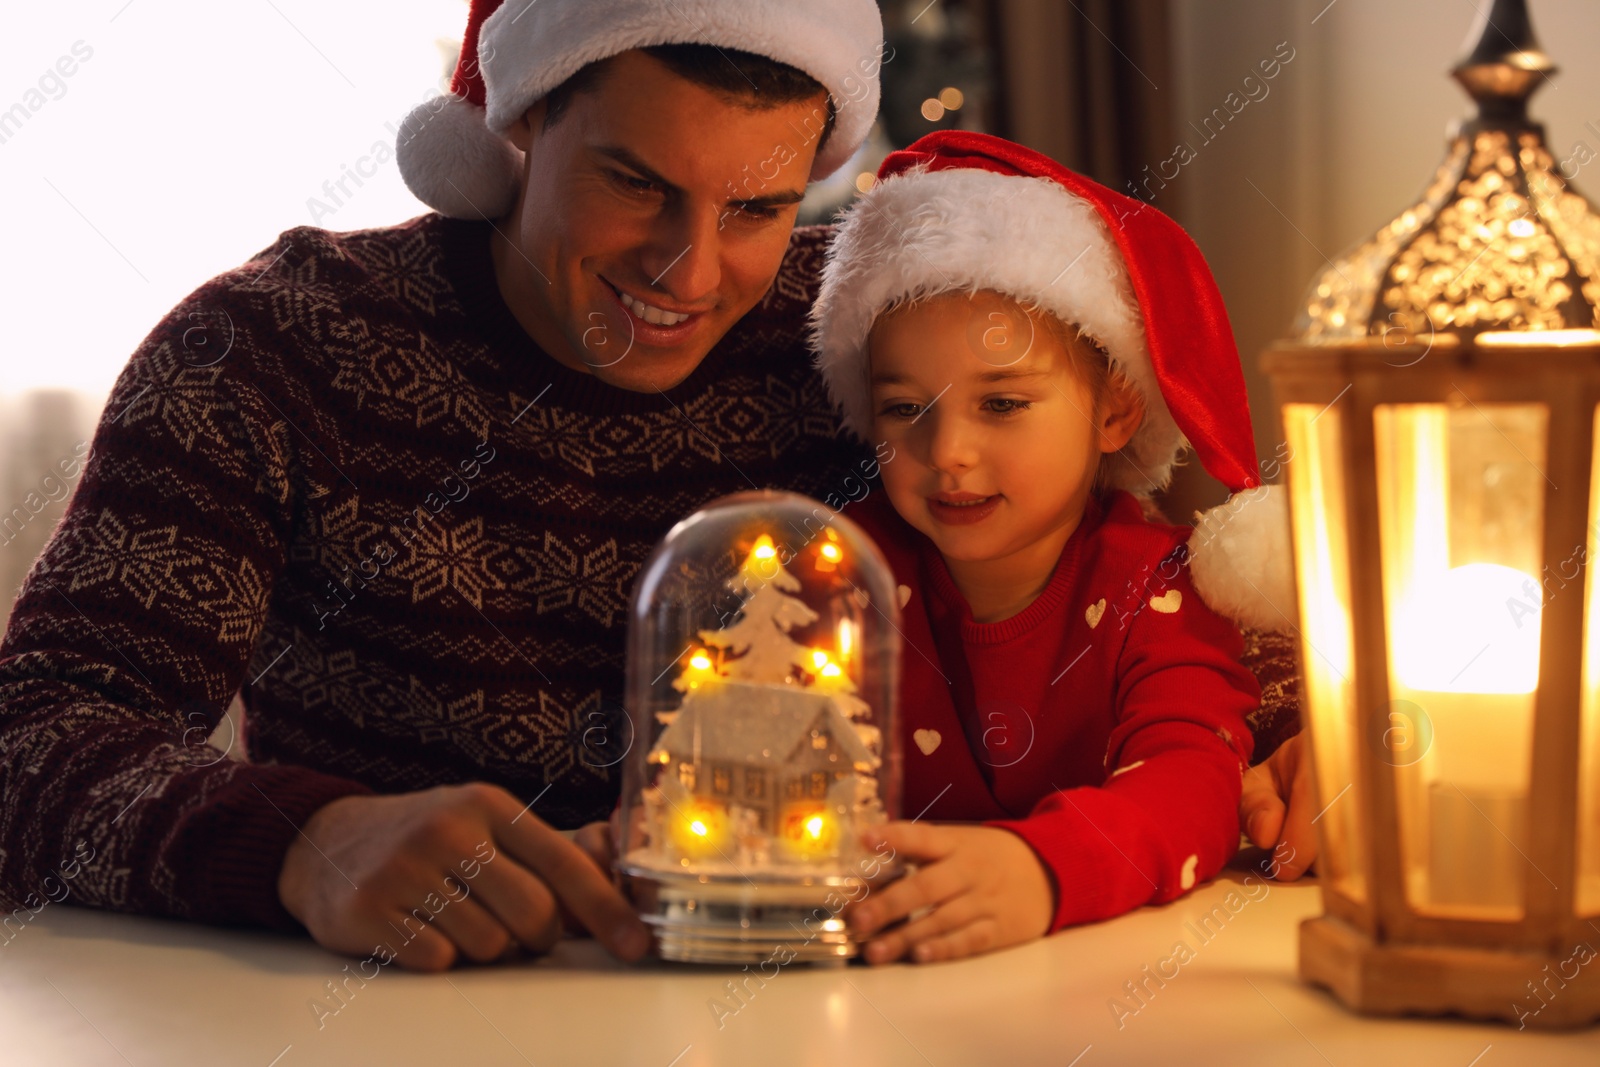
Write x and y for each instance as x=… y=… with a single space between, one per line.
x=762 y=565
x=827 y=675
x=700 y=830
x=1448 y=616
x=1473 y=667
x=701 y=669
x=809 y=833
x=1464 y=646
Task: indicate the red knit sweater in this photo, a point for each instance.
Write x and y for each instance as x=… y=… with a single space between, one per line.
x=1105 y=723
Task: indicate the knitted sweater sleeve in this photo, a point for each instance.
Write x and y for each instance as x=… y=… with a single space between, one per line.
x=139 y=623
x=1165 y=819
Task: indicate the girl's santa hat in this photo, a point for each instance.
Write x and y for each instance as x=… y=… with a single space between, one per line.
x=960 y=211
x=452 y=150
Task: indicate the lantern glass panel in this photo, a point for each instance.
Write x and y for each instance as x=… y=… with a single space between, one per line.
x=1461 y=518
x=1588 y=896
x=1322 y=554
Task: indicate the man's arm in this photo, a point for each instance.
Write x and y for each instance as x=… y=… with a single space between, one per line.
x=133 y=632
x=150 y=608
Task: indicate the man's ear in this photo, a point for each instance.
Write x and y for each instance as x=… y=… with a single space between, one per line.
x=1121 y=412
x=523 y=131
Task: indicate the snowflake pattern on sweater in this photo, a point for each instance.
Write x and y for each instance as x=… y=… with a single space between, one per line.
x=342 y=480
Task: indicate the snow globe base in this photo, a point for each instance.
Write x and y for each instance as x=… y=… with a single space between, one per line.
x=705 y=919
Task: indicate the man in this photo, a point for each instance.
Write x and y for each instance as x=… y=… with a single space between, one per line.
x=402 y=509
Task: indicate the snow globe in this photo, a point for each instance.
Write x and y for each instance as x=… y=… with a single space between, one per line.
x=763 y=659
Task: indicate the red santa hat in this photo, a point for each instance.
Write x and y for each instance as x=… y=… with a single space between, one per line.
x=959 y=212
x=452 y=150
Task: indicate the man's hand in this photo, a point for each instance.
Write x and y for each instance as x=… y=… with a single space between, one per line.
x=448 y=872
x=986 y=888
x=1277 y=806
x=597 y=840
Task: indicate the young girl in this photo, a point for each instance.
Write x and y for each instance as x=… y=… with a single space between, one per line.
x=1033 y=350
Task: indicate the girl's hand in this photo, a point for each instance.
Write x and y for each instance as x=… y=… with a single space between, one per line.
x=987 y=889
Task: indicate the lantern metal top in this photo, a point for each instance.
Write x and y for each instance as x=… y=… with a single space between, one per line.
x=1499 y=241
x=1505 y=66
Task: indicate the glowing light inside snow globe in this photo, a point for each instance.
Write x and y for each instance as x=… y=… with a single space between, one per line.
x=762 y=665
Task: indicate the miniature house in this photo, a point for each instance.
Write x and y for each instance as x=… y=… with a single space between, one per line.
x=769 y=757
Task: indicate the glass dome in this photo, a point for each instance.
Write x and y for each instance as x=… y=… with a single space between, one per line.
x=763 y=658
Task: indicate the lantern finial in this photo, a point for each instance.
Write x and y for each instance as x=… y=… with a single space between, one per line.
x=1499 y=242
x=1504 y=65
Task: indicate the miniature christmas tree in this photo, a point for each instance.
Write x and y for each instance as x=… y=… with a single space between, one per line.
x=757 y=647
x=759 y=638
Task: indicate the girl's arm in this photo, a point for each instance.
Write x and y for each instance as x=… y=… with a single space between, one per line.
x=1162 y=821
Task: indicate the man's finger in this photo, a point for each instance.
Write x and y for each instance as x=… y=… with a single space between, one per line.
x=521 y=902
x=596 y=841
x=578 y=884
x=1297 y=842
x=1261 y=809
x=416 y=946
x=478 y=935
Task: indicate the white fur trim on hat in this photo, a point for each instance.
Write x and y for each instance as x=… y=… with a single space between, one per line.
x=529 y=48
x=923 y=233
x=1239 y=559
x=451 y=162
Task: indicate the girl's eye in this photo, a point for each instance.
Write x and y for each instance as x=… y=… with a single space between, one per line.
x=902 y=411
x=1003 y=406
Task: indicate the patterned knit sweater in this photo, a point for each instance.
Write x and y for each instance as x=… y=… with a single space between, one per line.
x=343 y=480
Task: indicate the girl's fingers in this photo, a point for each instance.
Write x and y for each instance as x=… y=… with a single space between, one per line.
x=969 y=940
x=895 y=944
x=919 y=842
x=925 y=888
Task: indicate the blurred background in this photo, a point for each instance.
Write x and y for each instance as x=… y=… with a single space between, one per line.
x=189 y=134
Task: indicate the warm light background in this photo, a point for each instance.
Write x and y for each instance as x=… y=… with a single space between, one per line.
x=192 y=138
x=198 y=131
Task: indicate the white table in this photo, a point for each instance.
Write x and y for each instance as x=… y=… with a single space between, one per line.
x=81 y=988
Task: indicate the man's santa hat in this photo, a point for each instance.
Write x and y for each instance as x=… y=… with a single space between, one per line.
x=960 y=212
x=452 y=150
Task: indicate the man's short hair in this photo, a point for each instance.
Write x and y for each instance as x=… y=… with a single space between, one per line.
x=746 y=77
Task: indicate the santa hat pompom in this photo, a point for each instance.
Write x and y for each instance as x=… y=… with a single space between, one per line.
x=453 y=162
x=1239 y=559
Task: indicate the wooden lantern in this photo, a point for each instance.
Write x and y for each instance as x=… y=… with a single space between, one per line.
x=1441 y=403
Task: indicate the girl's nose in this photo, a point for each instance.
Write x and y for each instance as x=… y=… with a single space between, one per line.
x=952 y=441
